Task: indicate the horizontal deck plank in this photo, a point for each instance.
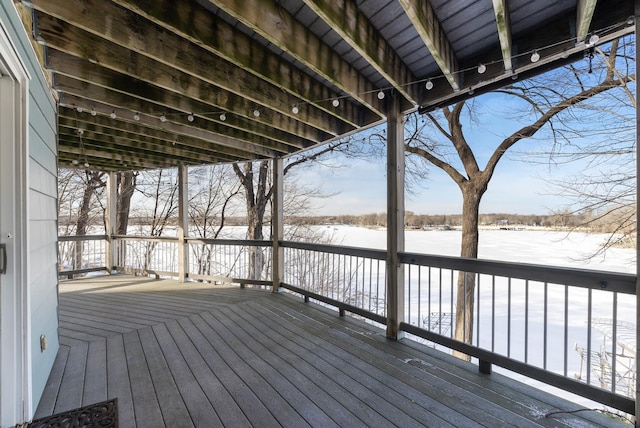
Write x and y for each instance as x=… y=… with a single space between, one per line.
x=204 y=355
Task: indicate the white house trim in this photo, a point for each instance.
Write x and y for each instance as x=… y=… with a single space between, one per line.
x=15 y=330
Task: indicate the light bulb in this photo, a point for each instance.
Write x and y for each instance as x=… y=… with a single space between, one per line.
x=79 y=109
x=93 y=112
x=381 y=95
x=471 y=91
x=335 y=102
x=535 y=56
x=594 y=39
x=80 y=131
x=113 y=115
x=190 y=118
x=223 y=117
x=86 y=164
x=295 y=109
x=75 y=162
x=163 y=118
x=256 y=112
x=429 y=85
x=482 y=68
x=136 y=116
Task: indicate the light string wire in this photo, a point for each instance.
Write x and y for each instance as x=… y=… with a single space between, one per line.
x=590 y=42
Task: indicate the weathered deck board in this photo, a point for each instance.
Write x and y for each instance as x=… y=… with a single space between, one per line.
x=181 y=355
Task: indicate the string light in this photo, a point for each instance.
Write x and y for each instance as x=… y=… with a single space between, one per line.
x=86 y=164
x=481 y=68
x=535 y=56
x=75 y=162
x=80 y=131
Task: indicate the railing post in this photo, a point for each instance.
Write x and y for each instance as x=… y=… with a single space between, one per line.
x=183 y=223
x=277 y=225
x=395 y=218
x=637 y=392
x=110 y=222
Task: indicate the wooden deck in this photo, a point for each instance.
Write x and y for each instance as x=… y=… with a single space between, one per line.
x=181 y=355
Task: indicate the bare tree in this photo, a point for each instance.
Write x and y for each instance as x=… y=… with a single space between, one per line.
x=449 y=149
x=214 y=187
x=255 y=179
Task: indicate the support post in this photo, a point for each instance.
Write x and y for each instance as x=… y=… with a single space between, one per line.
x=183 y=223
x=637 y=396
x=110 y=222
x=395 y=218
x=277 y=224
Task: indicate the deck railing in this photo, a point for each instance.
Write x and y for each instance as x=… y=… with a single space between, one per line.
x=564 y=327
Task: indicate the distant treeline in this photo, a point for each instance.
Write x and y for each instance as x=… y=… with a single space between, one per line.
x=420 y=221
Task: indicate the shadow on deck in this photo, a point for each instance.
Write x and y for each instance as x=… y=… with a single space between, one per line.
x=181 y=355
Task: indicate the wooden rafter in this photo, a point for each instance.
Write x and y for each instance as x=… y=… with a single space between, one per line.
x=272 y=22
x=354 y=28
x=504 y=31
x=428 y=27
x=190 y=21
x=586 y=8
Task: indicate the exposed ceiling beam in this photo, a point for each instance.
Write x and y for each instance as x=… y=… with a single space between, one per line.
x=199 y=75
x=136 y=93
x=191 y=21
x=105 y=101
x=427 y=25
x=69 y=117
x=586 y=8
x=272 y=22
x=503 y=24
x=355 y=29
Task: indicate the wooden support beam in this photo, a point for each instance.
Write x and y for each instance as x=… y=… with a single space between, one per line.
x=272 y=22
x=92 y=91
x=421 y=14
x=503 y=23
x=188 y=96
x=586 y=8
x=277 y=224
x=395 y=219
x=355 y=29
x=209 y=130
x=195 y=74
x=110 y=222
x=183 y=223
x=180 y=23
x=132 y=132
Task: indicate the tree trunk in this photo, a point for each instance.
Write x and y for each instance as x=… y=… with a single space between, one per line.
x=465 y=298
x=83 y=219
x=126 y=187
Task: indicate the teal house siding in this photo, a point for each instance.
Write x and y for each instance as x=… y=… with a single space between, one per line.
x=41 y=206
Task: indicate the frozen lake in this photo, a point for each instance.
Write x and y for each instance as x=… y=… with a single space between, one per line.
x=522 y=246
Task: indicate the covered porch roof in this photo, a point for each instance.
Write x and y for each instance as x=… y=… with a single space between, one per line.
x=161 y=83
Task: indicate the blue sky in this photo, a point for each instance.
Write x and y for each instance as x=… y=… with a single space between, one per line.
x=517 y=186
